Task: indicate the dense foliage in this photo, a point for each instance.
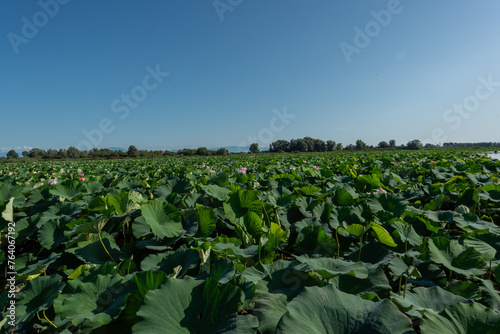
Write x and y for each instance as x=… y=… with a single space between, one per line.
x=311 y=243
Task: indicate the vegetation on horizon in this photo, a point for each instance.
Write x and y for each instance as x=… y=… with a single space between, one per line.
x=306 y=144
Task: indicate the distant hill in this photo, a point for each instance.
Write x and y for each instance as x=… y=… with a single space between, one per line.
x=234 y=149
x=117 y=149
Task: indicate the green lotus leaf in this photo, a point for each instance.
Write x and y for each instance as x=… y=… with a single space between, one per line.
x=207 y=221
x=329 y=268
x=490 y=294
x=488 y=252
x=51 y=234
x=97 y=253
x=223 y=270
x=461 y=318
x=253 y=224
x=241 y=202
x=144 y=281
x=312 y=240
x=368 y=183
x=91 y=305
x=37 y=295
x=190 y=306
x=382 y=235
x=393 y=203
x=465 y=261
x=68 y=189
x=269 y=308
x=422 y=299
x=167 y=261
x=119 y=202
x=163 y=218
x=407 y=234
x=342 y=197
x=328 y=310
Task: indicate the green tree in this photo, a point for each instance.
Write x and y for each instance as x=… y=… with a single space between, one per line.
x=132 y=151
x=383 y=144
x=254 y=148
x=73 y=153
x=222 y=151
x=392 y=143
x=36 y=153
x=12 y=154
x=330 y=145
x=414 y=145
x=360 y=145
x=202 y=151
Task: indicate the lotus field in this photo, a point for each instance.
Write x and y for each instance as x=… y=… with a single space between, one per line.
x=382 y=242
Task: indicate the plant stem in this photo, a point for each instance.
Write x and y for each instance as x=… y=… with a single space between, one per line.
x=102 y=243
x=50 y=322
x=360 y=246
x=338 y=244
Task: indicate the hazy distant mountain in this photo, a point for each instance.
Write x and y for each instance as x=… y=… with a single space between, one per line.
x=234 y=149
x=117 y=149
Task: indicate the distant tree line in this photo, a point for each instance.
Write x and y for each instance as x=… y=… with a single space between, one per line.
x=482 y=144
x=306 y=144
x=309 y=144
x=105 y=153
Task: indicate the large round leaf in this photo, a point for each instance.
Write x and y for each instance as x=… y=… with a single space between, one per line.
x=93 y=304
x=462 y=319
x=207 y=220
x=192 y=306
x=328 y=310
x=421 y=299
x=328 y=267
x=164 y=218
x=465 y=261
x=167 y=261
x=241 y=202
x=36 y=296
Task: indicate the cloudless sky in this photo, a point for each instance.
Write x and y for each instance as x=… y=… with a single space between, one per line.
x=234 y=66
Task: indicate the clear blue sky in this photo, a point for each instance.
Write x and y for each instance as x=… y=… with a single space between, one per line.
x=78 y=65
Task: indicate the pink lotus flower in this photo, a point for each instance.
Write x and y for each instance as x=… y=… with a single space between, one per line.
x=294 y=168
x=394 y=163
x=212 y=171
x=10 y=173
x=355 y=166
x=81 y=179
x=82 y=174
x=433 y=162
x=316 y=167
x=243 y=170
x=381 y=191
x=79 y=170
x=52 y=182
x=304 y=161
